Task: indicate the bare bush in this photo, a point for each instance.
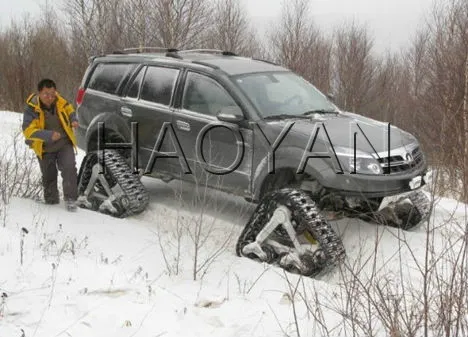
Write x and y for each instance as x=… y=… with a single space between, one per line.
x=204 y=224
x=419 y=289
x=199 y=226
x=19 y=174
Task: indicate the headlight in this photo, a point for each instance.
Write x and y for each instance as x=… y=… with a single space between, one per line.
x=364 y=163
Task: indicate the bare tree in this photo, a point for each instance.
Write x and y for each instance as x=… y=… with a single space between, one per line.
x=386 y=93
x=416 y=62
x=302 y=47
x=465 y=125
x=96 y=25
x=139 y=26
x=355 y=66
x=179 y=23
x=34 y=49
x=443 y=92
x=414 y=73
x=231 y=29
x=16 y=70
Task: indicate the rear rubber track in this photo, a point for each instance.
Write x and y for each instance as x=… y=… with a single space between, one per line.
x=134 y=198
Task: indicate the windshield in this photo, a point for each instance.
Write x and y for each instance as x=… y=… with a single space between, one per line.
x=283 y=93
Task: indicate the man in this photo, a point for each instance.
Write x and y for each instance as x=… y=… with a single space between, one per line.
x=48 y=123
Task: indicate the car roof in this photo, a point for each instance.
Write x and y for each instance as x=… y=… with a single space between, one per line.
x=230 y=64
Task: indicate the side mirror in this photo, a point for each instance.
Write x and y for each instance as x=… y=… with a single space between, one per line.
x=331 y=97
x=230 y=114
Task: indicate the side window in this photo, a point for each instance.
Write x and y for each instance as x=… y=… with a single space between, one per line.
x=108 y=76
x=204 y=95
x=135 y=86
x=159 y=84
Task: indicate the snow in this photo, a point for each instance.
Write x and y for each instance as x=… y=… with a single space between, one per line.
x=88 y=274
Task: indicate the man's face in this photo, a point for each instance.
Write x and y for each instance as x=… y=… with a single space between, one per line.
x=47 y=96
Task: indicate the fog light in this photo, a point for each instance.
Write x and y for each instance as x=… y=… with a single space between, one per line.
x=374 y=168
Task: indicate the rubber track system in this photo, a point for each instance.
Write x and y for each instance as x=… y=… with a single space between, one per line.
x=415 y=213
x=133 y=198
x=404 y=215
x=305 y=220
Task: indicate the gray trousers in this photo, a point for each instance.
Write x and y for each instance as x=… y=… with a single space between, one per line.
x=64 y=161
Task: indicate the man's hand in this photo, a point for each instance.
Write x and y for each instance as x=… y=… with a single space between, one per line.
x=55 y=136
x=74 y=124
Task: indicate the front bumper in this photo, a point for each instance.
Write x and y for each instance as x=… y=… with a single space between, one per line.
x=374 y=186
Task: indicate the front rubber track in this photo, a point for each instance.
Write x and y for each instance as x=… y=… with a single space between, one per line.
x=305 y=217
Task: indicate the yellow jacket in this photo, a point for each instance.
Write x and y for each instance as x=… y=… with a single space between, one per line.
x=34 y=122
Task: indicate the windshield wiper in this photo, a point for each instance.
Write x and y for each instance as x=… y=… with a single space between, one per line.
x=284 y=116
x=319 y=111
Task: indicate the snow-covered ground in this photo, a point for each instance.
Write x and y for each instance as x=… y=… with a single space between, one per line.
x=88 y=274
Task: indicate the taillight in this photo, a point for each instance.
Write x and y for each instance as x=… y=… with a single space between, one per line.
x=79 y=96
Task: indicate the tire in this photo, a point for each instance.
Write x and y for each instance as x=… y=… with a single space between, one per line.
x=132 y=197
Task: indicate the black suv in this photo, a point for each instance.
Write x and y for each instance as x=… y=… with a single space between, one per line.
x=247 y=127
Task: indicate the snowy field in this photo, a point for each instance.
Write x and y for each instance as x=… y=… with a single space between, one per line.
x=172 y=271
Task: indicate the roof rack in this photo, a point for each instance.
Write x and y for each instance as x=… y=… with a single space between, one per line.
x=173 y=54
x=206 y=64
x=212 y=51
x=267 y=61
x=93 y=57
x=147 y=48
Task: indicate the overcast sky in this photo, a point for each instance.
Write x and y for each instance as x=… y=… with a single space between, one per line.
x=391 y=21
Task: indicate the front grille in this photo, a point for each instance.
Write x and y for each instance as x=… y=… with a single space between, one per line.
x=400 y=164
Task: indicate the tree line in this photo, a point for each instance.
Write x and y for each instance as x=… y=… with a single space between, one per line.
x=422 y=88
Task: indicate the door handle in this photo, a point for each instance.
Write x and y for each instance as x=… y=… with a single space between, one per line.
x=183 y=125
x=126 y=111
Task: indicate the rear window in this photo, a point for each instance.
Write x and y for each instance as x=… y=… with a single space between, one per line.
x=107 y=77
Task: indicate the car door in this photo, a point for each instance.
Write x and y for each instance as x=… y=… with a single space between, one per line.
x=147 y=102
x=219 y=152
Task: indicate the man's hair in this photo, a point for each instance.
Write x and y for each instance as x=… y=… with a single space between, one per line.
x=46 y=82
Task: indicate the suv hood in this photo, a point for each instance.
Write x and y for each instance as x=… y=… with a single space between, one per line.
x=341 y=129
